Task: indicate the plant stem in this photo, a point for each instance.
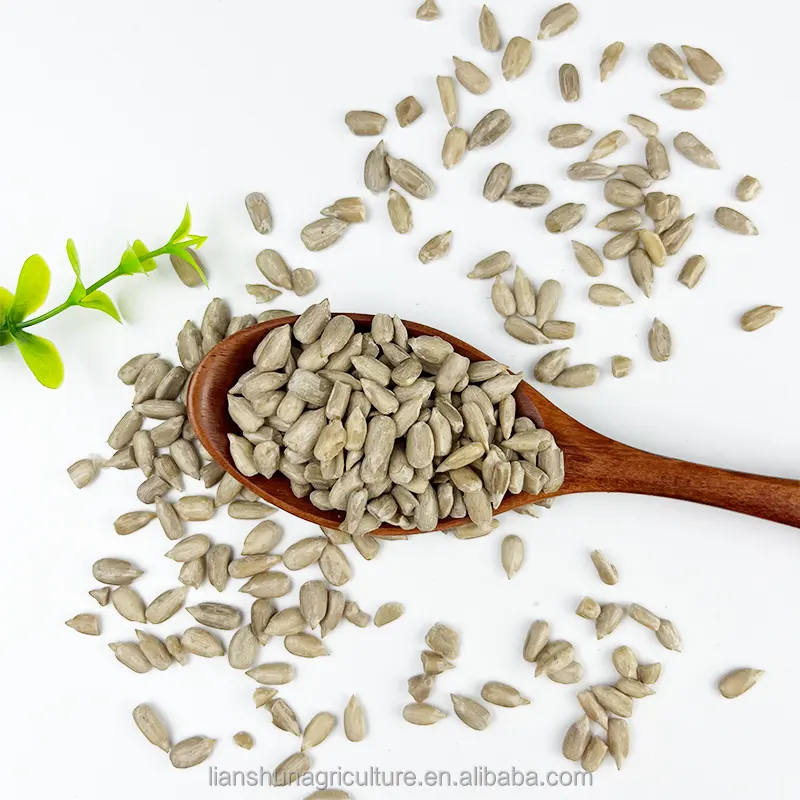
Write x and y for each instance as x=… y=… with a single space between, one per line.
x=93 y=288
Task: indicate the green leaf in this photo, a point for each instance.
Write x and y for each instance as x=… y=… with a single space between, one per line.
x=6 y=300
x=141 y=250
x=33 y=287
x=100 y=301
x=183 y=228
x=129 y=264
x=72 y=255
x=5 y=338
x=195 y=241
x=42 y=358
x=183 y=253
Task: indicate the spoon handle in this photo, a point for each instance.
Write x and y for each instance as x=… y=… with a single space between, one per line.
x=608 y=466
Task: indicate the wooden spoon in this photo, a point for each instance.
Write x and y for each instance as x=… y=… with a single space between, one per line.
x=593 y=463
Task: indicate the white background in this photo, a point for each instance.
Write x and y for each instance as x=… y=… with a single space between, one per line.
x=116 y=114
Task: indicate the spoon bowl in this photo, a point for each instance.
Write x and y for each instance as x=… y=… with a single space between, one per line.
x=592 y=462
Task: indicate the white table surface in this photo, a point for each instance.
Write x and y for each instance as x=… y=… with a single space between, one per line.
x=114 y=115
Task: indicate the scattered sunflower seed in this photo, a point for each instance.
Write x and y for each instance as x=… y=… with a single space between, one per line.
x=577 y=377
x=455 y=146
x=588 y=609
x=666 y=61
x=472 y=78
x=323 y=233
x=489 y=129
x=643 y=125
x=705 y=66
x=408 y=110
x=607 y=145
x=589 y=171
x=759 y=317
x=634 y=688
x=748 y=188
x=621 y=221
x=528 y=195
x=557 y=20
x=447 y=94
x=610 y=59
x=87 y=624
x=470 y=712
x=365 y=123
x=497 y=182
x=607 y=572
x=668 y=635
x=513 y=554
x=551 y=365
x=436 y=248
x=659 y=340
x=150 y=724
x=259 y=211
x=609 y=619
x=564 y=218
x=621 y=366
x=191 y=752
x=376 y=170
x=623 y=194
x=569 y=83
x=738 y=682
x=618 y=740
x=517 y=58
x=388 y=612
x=489 y=31
x=649 y=673
x=603 y=294
x=428 y=11
x=409 y=177
x=399 y=212
x=689 y=146
x=735 y=222
x=569 y=135
x=355 y=726
x=687 y=98
x=577 y=739
x=692 y=271
x=613 y=700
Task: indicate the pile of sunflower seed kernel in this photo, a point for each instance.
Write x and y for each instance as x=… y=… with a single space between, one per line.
x=630 y=188
x=387 y=428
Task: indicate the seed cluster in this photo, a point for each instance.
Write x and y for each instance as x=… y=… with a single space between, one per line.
x=387 y=428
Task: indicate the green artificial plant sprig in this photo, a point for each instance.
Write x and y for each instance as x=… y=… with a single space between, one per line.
x=33 y=286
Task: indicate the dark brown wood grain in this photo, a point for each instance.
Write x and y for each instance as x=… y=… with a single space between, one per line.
x=593 y=463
